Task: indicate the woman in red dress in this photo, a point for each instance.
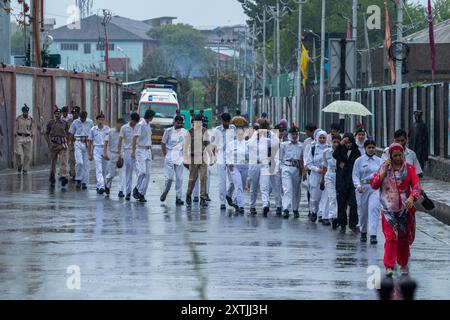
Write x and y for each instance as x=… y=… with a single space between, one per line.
x=399 y=190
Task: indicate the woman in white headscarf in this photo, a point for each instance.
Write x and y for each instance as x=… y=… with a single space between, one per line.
x=315 y=163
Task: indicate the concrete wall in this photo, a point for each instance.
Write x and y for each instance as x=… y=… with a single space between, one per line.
x=41 y=89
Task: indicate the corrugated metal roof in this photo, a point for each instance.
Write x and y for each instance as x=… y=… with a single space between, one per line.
x=119 y=28
x=441 y=34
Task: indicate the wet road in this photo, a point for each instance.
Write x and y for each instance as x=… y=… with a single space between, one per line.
x=152 y=251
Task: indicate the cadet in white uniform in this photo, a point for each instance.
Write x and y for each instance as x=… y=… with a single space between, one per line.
x=125 y=146
x=330 y=212
x=361 y=138
x=237 y=159
x=309 y=131
x=400 y=137
x=172 y=148
x=220 y=138
x=368 y=199
x=113 y=155
x=291 y=172
x=97 y=138
x=142 y=152
x=315 y=163
x=80 y=131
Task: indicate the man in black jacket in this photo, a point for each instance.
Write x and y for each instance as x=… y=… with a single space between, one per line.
x=346 y=154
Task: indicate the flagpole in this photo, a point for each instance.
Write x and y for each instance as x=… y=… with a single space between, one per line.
x=398 y=67
x=322 y=65
x=299 y=78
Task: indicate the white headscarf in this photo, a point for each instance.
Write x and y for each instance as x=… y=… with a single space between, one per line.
x=317 y=135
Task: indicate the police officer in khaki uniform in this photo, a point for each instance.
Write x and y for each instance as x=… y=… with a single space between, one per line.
x=56 y=137
x=24 y=140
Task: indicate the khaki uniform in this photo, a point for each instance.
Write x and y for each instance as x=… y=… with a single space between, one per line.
x=194 y=148
x=24 y=141
x=57 y=131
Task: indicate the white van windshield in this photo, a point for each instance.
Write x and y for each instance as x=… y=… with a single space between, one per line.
x=162 y=110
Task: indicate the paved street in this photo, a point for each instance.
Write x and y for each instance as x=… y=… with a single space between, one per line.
x=153 y=251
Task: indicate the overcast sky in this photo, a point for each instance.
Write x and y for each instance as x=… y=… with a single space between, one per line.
x=199 y=13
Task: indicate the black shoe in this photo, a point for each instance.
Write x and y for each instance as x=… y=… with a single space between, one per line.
x=164 y=195
x=25 y=172
x=253 y=211
x=241 y=211
x=128 y=197
x=326 y=222
x=188 y=200
x=101 y=191
x=286 y=214
x=107 y=191
x=223 y=207
x=142 y=198
x=121 y=195
x=64 y=182
x=179 y=202
x=279 y=211
x=208 y=198
x=343 y=229
x=78 y=186
x=136 y=193
x=354 y=229
x=73 y=178
x=265 y=211
x=309 y=214
x=230 y=201
x=196 y=199
x=19 y=169
x=363 y=237
x=203 y=202
x=320 y=219
x=334 y=224
x=313 y=217
x=83 y=186
x=373 y=240
x=296 y=214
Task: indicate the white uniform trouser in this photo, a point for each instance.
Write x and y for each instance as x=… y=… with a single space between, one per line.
x=277 y=188
x=254 y=172
x=323 y=205
x=129 y=164
x=196 y=191
x=101 y=167
x=174 y=172
x=315 y=192
x=368 y=209
x=330 y=187
x=113 y=171
x=222 y=171
x=239 y=177
x=82 y=162
x=267 y=180
x=143 y=166
x=291 y=181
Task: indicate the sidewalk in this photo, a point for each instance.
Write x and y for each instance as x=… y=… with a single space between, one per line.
x=439 y=192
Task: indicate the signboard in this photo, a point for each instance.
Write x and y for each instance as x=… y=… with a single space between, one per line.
x=335 y=63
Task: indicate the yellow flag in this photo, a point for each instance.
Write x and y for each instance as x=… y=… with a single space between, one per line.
x=304 y=61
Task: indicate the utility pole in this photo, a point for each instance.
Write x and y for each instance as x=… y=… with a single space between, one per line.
x=106 y=19
x=5 y=34
x=299 y=69
x=398 y=68
x=217 y=74
x=322 y=65
x=264 y=60
x=369 y=54
x=355 y=58
x=278 y=105
x=244 y=86
x=253 y=106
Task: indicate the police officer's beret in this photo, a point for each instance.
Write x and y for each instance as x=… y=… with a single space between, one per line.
x=65 y=109
x=76 y=110
x=25 y=108
x=57 y=110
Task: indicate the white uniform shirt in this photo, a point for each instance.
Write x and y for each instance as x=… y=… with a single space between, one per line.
x=237 y=152
x=143 y=131
x=173 y=139
x=113 y=140
x=98 y=136
x=329 y=161
x=364 y=169
x=315 y=161
x=307 y=148
x=220 y=138
x=410 y=156
x=67 y=118
x=127 y=133
x=259 y=145
x=81 y=129
x=291 y=151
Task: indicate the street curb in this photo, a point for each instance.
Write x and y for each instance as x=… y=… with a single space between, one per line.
x=441 y=212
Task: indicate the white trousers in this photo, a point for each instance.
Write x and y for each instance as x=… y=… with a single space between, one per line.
x=196 y=191
x=368 y=210
x=315 y=192
x=239 y=177
x=129 y=165
x=277 y=188
x=143 y=166
x=101 y=167
x=330 y=187
x=81 y=162
x=174 y=172
x=254 y=172
x=222 y=172
x=291 y=181
x=113 y=171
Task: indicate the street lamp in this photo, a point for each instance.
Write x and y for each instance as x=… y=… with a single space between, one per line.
x=126 y=62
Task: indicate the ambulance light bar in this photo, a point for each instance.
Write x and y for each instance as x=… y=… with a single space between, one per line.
x=160 y=86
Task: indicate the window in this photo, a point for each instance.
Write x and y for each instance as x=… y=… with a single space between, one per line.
x=101 y=47
x=69 y=46
x=87 y=48
x=162 y=110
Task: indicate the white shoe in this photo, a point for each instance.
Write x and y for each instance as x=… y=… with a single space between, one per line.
x=404 y=271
